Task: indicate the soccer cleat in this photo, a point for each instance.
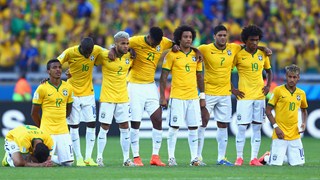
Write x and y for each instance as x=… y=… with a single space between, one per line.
x=172 y=162
x=80 y=162
x=224 y=162
x=100 y=162
x=239 y=162
x=261 y=159
x=155 y=160
x=255 y=162
x=137 y=161
x=195 y=162
x=128 y=163
x=4 y=160
x=90 y=162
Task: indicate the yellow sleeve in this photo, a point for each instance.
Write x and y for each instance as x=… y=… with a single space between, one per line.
x=168 y=61
x=267 y=63
x=199 y=66
x=70 y=95
x=274 y=98
x=103 y=56
x=167 y=43
x=304 y=103
x=38 y=95
x=64 y=56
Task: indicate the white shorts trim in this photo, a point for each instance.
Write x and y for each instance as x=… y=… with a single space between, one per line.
x=83 y=110
x=184 y=112
x=143 y=97
x=11 y=147
x=292 y=149
x=220 y=107
x=62 y=147
x=250 y=110
x=121 y=112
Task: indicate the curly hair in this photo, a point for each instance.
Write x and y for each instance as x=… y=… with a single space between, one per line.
x=178 y=33
x=251 y=30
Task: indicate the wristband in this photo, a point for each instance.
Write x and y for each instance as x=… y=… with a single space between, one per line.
x=275 y=125
x=202 y=95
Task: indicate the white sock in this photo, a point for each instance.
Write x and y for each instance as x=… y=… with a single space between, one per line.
x=102 y=141
x=90 y=140
x=172 y=141
x=193 y=143
x=125 y=143
x=240 y=140
x=134 y=136
x=255 y=140
x=74 y=133
x=201 y=131
x=156 y=141
x=222 y=140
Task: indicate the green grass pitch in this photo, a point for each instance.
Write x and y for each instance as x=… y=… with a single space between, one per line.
x=114 y=170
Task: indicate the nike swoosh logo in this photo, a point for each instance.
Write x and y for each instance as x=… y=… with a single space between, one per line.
x=101 y=138
x=212 y=53
x=194 y=140
x=134 y=142
x=91 y=140
x=243 y=58
x=50 y=94
x=158 y=141
x=178 y=58
x=74 y=140
x=127 y=138
x=283 y=97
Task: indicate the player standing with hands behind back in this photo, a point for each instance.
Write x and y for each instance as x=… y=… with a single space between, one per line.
x=250 y=63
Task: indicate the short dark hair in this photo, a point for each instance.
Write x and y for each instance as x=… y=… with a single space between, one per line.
x=50 y=62
x=87 y=45
x=219 y=28
x=177 y=34
x=293 y=69
x=41 y=152
x=251 y=30
x=156 y=34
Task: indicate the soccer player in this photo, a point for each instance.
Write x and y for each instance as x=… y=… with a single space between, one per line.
x=114 y=98
x=286 y=101
x=184 y=105
x=251 y=92
x=27 y=146
x=81 y=59
x=143 y=92
x=54 y=99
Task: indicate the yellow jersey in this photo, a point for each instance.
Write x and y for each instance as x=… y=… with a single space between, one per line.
x=250 y=68
x=80 y=69
x=114 y=83
x=183 y=68
x=217 y=68
x=24 y=135
x=286 y=106
x=53 y=102
x=145 y=64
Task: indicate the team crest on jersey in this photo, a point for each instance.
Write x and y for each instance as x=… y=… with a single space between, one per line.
x=229 y=52
x=239 y=117
x=92 y=57
x=158 y=48
x=194 y=59
x=65 y=92
x=298 y=97
x=274 y=157
x=175 y=118
x=36 y=95
x=260 y=57
x=103 y=115
x=127 y=61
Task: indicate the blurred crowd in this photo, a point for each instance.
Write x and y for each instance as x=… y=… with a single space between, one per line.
x=35 y=31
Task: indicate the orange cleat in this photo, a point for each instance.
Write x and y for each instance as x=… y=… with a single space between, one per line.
x=155 y=161
x=239 y=162
x=255 y=162
x=137 y=161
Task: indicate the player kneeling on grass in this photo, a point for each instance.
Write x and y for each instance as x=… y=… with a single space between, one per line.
x=27 y=146
x=286 y=101
x=114 y=97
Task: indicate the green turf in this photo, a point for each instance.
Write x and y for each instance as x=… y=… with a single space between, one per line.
x=114 y=169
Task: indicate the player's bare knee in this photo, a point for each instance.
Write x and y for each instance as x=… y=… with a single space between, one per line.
x=91 y=124
x=124 y=125
x=105 y=126
x=135 y=125
x=74 y=126
x=192 y=128
x=222 y=125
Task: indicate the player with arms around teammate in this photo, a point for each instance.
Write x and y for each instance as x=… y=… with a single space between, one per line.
x=27 y=146
x=143 y=92
x=286 y=101
x=81 y=61
x=114 y=98
x=184 y=105
x=251 y=92
x=54 y=99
